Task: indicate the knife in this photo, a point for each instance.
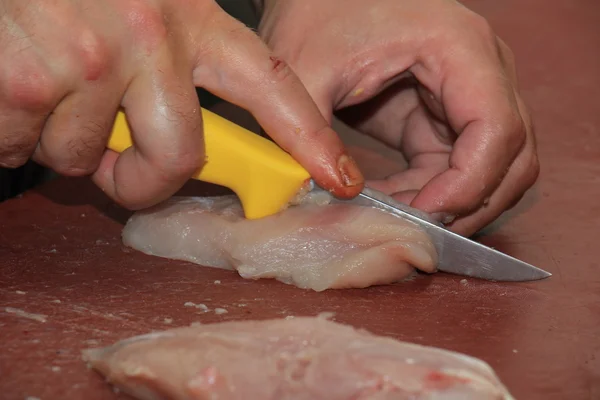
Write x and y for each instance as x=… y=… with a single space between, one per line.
x=456 y=254
x=266 y=179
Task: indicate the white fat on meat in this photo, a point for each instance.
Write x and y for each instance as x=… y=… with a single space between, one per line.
x=311 y=245
x=304 y=358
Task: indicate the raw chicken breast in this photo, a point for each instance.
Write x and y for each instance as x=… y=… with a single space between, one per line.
x=295 y=359
x=310 y=245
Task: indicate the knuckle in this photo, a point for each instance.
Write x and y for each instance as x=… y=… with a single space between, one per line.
x=94 y=55
x=527 y=169
x=180 y=164
x=16 y=149
x=516 y=125
x=482 y=26
x=513 y=129
x=146 y=23
x=506 y=52
x=29 y=87
x=181 y=161
x=180 y=158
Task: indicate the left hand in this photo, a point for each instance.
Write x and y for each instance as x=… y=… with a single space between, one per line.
x=428 y=77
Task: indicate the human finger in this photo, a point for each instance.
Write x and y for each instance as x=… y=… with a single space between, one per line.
x=75 y=134
x=29 y=90
x=481 y=107
x=238 y=67
x=521 y=175
x=163 y=112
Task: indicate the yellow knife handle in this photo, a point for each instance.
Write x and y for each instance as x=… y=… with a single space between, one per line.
x=263 y=175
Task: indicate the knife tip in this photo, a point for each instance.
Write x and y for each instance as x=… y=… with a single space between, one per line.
x=542 y=274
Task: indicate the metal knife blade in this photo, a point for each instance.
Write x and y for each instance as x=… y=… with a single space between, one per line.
x=456 y=254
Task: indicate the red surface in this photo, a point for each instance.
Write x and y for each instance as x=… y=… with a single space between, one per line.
x=543 y=338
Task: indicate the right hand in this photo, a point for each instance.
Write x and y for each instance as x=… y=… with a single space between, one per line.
x=68 y=65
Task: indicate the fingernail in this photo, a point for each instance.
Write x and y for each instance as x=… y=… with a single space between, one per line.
x=349 y=171
x=444 y=218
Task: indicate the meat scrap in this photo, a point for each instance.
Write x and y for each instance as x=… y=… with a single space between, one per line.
x=311 y=245
x=304 y=358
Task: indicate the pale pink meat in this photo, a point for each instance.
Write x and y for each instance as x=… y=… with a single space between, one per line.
x=309 y=245
x=304 y=358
